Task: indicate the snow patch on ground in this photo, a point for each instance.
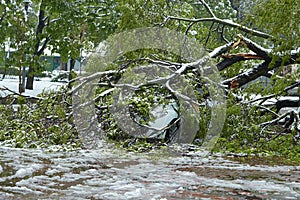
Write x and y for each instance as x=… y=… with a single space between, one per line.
x=39 y=86
x=27 y=171
x=109 y=173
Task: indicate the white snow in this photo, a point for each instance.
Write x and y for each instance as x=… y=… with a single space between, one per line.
x=134 y=176
x=272 y=101
x=193 y=32
x=228 y=21
x=12 y=83
x=27 y=171
x=295 y=51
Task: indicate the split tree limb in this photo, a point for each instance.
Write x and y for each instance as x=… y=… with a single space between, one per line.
x=259 y=70
x=231 y=59
x=259 y=50
x=249 y=75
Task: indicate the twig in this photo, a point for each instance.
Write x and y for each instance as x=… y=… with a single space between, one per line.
x=274 y=121
x=207 y=8
x=222 y=34
x=85 y=80
x=267 y=109
x=209 y=33
x=18 y=94
x=264 y=98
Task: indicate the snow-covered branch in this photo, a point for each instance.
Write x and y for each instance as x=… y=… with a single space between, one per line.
x=225 y=22
x=293 y=121
x=220 y=50
x=98 y=97
x=5 y=100
x=263 y=99
x=85 y=80
x=260 y=54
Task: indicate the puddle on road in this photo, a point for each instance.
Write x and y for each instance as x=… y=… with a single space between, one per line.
x=107 y=173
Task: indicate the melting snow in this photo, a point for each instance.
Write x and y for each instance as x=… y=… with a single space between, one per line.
x=108 y=173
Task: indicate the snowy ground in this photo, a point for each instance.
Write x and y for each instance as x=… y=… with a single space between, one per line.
x=108 y=173
x=40 y=84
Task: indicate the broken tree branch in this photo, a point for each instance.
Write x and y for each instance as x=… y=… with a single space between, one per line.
x=259 y=70
x=259 y=50
x=249 y=75
x=231 y=59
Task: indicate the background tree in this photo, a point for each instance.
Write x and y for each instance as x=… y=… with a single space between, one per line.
x=62 y=27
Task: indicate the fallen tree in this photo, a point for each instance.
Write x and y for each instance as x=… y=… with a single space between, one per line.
x=261 y=62
x=257 y=114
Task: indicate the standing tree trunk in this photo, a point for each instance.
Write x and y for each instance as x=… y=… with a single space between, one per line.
x=39 y=45
x=71 y=74
x=72 y=65
x=4 y=73
x=30 y=78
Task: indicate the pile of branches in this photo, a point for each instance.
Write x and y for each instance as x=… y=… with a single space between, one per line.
x=37 y=121
x=265 y=65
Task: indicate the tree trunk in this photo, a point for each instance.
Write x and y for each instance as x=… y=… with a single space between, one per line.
x=4 y=73
x=71 y=74
x=72 y=65
x=39 y=48
x=30 y=78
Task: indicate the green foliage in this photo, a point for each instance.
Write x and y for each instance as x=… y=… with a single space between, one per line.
x=44 y=124
x=242 y=133
x=281 y=20
x=65 y=27
x=137 y=14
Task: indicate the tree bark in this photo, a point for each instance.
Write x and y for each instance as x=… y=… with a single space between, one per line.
x=231 y=59
x=71 y=73
x=37 y=50
x=30 y=78
x=288 y=102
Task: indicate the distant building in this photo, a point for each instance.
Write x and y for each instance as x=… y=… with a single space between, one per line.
x=52 y=63
x=55 y=63
x=49 y=61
